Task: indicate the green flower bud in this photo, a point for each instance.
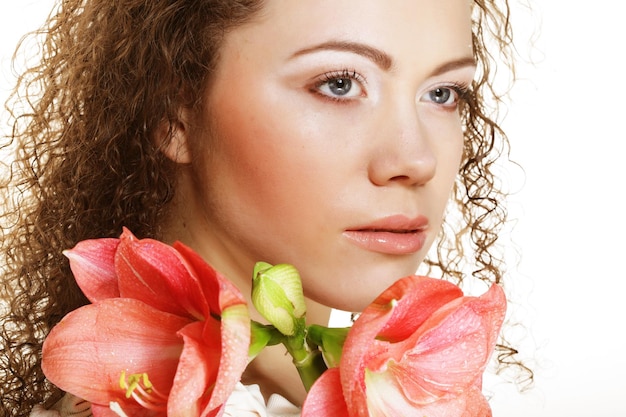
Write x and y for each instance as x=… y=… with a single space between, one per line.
x=277 y=295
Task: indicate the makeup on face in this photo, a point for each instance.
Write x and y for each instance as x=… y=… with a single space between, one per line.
x=334 y=142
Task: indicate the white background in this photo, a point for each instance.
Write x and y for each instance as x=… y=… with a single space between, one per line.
x=566 y=125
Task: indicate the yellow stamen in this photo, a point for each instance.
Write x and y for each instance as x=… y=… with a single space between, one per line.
x=139 y=387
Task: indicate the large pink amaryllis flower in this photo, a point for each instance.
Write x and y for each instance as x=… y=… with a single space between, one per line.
x=165 y=333
x=419 y=349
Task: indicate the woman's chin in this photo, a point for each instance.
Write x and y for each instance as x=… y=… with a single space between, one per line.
x=352 y=285
x=354 y=299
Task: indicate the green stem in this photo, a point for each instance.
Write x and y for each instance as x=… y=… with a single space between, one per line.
x=330 y=342
x=309 y=362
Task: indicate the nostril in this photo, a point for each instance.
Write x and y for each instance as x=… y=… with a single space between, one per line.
x=399 y=178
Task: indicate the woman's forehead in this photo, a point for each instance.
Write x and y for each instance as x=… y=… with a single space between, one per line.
x=384 y=30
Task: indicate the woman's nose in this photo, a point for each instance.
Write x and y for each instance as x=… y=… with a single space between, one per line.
x=404 y=154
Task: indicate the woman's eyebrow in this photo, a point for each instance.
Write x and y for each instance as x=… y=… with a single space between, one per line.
x=468 y=61
x=379 y=57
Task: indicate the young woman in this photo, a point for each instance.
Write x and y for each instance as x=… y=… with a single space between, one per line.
x=346 y=138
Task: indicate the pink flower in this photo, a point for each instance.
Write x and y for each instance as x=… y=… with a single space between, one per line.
x=165 y=333
x=419 y=349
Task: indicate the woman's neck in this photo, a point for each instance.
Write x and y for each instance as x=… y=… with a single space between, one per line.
x=272 y=369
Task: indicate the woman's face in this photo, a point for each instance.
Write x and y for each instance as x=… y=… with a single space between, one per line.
x=330 y=139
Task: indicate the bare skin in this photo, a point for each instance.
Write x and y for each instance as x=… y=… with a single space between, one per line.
x=329 y=139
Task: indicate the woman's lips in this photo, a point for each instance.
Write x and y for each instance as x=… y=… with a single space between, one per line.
x=394 y=235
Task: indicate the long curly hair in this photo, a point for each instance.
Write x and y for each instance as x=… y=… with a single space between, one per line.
x=108 y=74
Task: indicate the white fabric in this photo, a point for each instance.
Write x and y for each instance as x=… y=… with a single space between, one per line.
x=245 y=401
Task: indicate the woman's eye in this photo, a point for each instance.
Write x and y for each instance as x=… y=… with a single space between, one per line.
x=444 y=96
x=341 y=85
x=441 y=95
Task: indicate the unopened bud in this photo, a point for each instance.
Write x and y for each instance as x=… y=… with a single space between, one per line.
x=277 y=295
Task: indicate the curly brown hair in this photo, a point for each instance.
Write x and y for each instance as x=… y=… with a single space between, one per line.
x=108 y=74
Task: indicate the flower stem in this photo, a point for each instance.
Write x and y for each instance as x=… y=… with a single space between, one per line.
x=309 y=362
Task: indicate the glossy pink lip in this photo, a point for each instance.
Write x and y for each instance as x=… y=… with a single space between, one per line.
x=394 y=235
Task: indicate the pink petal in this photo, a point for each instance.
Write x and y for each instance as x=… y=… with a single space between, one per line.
x=417 y=298
x=413 y=295
x=325 y=399
x=219 y=291
x=93 y=266
x=197 y=369
x=453 y=347
x=446 y=355
x=476 y=405
x=235 y=342
x=472 y=403
x=87 y=351
x=102 y=411
x=389 y=401
x=131 y=411
x=155 y=273
x=212 y=362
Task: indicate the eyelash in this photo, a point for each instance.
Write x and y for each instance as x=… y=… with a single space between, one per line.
x=349 y=74
x=461 y=90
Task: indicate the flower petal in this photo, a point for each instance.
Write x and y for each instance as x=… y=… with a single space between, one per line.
x=197 y=369
x=325 y=399
x=453 y=347
x=213 y=360
x=92 y=263
x=130 y=411
x=416 y=298
x=443 y=359
x=87 y=351
x=394 y=315
x=102 y=411
x=387 y=400
x=235 y=343
x=155 y=273
x=220 y=293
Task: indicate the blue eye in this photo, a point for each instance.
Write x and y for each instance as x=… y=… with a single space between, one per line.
x=441 y=95
x=446 y=96
x=340 y=85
